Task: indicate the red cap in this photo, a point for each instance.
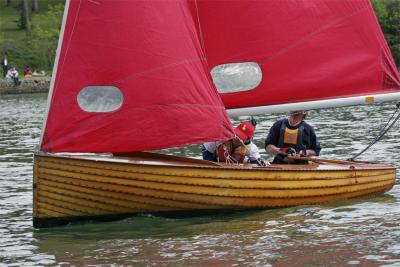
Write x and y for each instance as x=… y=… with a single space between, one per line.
x=245 y=130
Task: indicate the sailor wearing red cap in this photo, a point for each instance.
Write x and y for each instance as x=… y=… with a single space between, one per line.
x=235 y=150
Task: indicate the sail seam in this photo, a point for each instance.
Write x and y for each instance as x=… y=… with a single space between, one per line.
x=307 y=36
x=200 y=30
x=175 y=64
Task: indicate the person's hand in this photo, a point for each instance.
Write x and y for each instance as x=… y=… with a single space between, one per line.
x=303 y=153
x=261 y=162
x=291 y=151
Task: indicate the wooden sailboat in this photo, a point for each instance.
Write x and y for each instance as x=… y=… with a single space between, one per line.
x=135 y=76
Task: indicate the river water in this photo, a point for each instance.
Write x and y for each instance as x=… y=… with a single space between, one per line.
x=358 y=232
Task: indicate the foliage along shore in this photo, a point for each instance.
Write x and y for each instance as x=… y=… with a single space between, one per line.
x=35 y=48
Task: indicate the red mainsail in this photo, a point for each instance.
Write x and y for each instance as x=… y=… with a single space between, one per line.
x=307 y=50
x=150 y=52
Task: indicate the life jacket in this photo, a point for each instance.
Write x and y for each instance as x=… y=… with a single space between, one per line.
x=228 y=152
x=290 y=138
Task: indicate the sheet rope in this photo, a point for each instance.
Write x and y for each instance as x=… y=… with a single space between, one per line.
x=389 y=124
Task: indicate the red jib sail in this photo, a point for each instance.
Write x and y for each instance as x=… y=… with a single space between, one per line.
x=307 y=50
x=145 y=58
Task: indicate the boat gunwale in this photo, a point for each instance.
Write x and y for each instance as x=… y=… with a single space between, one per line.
x=203 y=164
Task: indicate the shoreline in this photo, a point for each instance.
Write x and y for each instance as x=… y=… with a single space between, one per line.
x=36 y=84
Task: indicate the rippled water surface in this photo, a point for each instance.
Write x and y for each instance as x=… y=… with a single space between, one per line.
x=358 y=232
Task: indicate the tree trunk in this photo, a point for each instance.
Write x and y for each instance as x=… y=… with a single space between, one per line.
x=35 y=6
x=25 y=11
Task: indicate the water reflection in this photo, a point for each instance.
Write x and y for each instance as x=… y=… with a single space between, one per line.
x=361 y=232
x=256 y=238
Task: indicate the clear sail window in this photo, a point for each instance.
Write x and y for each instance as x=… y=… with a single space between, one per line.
x=100 y=98
x=236 y=77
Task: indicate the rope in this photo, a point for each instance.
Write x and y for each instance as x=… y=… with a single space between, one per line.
x=383 y=131
x=253 y=121
x=229 y=159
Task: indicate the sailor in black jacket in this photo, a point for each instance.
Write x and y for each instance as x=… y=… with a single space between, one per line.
x=292 y=136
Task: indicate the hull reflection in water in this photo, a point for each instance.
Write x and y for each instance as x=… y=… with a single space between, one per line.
x=73 y=187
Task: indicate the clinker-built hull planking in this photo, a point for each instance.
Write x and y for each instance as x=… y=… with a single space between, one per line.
x=72 y=187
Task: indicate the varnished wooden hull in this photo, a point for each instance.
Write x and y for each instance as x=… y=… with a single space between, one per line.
x=70 y=187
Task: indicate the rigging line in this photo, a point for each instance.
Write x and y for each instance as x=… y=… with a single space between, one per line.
x=387 y=123
x=383 y=131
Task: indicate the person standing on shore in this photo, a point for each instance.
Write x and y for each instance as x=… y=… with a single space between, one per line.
x=5 y=66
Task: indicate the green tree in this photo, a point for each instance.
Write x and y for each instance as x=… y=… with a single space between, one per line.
x=25 y=23
x=388 y=13
x=44 y=40
x=35 y=6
